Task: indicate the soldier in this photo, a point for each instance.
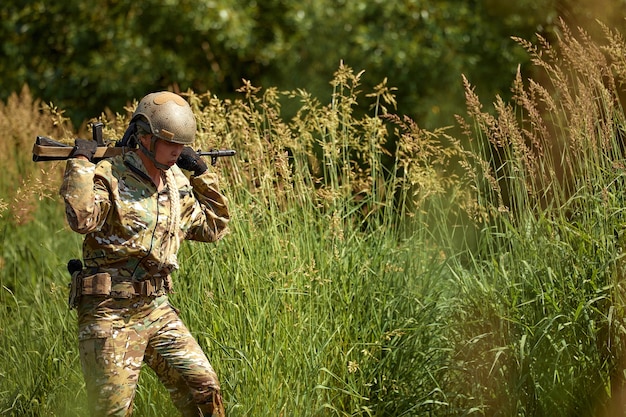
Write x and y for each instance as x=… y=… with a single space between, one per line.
x=134 y=209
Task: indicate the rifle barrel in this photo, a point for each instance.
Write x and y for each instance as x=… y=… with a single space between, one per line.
x=218 y=153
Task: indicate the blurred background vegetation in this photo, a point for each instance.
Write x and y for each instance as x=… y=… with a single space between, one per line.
x=87 y=58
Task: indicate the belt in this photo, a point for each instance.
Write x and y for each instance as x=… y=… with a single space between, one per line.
x=115 y=286
x=121 y=287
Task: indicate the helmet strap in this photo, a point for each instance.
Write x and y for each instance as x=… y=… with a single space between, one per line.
x=151 y=153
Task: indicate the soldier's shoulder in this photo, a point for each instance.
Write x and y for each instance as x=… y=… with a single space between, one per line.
x=108 y=167
x=181 y=178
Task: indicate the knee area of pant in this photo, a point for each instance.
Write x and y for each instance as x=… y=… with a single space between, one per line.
x=213 y=404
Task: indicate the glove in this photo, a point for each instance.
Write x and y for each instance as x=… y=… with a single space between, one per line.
x=189 y=160
x=84 y=147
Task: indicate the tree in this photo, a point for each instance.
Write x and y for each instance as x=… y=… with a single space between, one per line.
x=85 y=58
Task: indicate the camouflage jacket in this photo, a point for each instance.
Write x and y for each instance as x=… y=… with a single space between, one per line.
x=125 y=220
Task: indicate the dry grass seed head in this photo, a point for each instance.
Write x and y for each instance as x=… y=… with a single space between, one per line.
x=22 y=119
x=537 y=135
x=615 y=50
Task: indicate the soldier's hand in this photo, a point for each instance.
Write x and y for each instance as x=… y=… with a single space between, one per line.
x=190 y=160
x=84 y=147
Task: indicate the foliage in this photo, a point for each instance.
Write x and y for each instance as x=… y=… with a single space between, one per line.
x=86 y=59
x=21 y=120
x=479 y=274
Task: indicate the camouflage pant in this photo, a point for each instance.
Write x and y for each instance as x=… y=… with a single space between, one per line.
x=116 y=336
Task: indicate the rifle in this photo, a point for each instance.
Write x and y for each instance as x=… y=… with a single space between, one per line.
x=46 y=149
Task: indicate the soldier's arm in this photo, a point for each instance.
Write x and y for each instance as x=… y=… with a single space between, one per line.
x=86 y=198
x=207 y=213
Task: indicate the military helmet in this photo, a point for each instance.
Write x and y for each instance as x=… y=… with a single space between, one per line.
x=167 y=116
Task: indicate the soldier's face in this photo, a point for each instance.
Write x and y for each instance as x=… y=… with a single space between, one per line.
x=167 y=153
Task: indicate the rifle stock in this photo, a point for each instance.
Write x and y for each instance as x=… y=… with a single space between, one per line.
x=46 y=149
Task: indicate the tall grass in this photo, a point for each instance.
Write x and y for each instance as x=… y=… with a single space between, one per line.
x=321 y=295
x=540 y=297
x=373 y=268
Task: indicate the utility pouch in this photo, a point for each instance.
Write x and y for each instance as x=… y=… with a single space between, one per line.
x=97 y=284
x=81 y=284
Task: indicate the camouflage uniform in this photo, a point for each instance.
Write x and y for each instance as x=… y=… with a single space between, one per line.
x=128 y=237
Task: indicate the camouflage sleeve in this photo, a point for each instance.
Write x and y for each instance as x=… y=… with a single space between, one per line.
x=86 y=201
x=209 y=215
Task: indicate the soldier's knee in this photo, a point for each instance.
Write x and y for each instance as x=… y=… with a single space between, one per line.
x=212 y=403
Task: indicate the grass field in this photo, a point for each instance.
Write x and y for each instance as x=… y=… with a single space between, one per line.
x=373 y=268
